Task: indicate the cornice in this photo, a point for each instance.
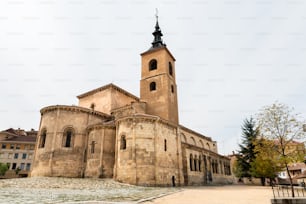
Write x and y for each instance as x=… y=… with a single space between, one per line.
x=147 y=117
x=99 y=126
x=122 y=108
x=211 y=153
x=195 y=133
x=128 y=106
x=144 y=117
x=151 y=50
x=75 y=109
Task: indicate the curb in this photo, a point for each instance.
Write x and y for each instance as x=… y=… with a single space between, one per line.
x=158 y=196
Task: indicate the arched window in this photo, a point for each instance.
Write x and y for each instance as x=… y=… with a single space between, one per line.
x=191 y=162
x=195 y=163
x=200 y=162
x=152 y=65
x=153 y=86
x=42 y=140
x=123 y=142
x=68 y=138
x=205 y=162
x=170 y=69
x=165 y=145
x=217 y=167
x=208 y=146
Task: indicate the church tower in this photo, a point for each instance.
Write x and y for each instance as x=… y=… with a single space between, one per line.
x=157 y=85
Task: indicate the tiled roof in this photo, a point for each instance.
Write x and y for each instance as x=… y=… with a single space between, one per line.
x=20 y=139
x=18 y=135
x=297 y=166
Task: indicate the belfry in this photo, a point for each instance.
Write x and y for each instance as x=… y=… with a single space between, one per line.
x=157 y=85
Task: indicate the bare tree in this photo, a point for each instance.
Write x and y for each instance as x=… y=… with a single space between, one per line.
x=279 y=124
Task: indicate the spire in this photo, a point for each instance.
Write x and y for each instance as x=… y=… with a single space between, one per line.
x=157 y=42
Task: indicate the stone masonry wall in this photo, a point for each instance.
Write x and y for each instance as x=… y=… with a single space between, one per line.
x=201 y=166
x=168 y=156
x=54 y=159
x=152 y=156
x=101 y=100
x=106 y=100
x=100 y=152
x=135 y=164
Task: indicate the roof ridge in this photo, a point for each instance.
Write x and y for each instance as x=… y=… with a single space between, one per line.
x=110 y=85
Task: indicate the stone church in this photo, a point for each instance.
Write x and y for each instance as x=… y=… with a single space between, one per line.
x=134 y=140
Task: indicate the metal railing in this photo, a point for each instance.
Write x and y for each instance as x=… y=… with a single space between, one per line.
x=284 y=191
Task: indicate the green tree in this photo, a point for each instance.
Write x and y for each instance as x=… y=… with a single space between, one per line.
x=246 y=153
x=279 y=124
x=237 y=169
x=266 y=163
x=3 y=169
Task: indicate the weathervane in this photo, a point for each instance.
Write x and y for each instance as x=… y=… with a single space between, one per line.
x=156 y=14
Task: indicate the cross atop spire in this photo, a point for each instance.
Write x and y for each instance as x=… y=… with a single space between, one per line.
x=156 y=14
x=157 y=42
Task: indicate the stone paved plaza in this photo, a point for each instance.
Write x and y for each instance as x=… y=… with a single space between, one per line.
x=66 y=190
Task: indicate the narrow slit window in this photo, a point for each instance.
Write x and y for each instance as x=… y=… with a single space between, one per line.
x=123 y=142
x=92 y=149
x=170 y=69
x=42 y=139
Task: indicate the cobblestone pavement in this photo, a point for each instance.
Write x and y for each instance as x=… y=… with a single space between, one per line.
x=72 y=190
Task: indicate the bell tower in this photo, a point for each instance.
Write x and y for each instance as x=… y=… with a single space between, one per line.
x=158 y=85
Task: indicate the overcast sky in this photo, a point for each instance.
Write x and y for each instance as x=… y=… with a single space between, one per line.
x=233 y=57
